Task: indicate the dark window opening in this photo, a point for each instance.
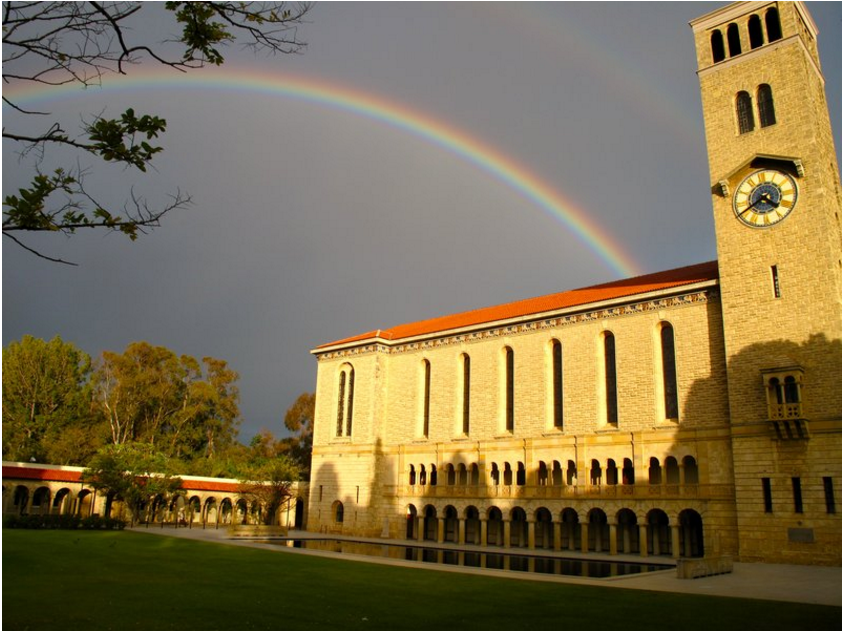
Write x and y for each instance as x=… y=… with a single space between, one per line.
x=773 y=25
x=426 y=398
x=351 y=401
x=509 y=400
x=765 y=105
x=744 y=112
x=610 y=378
x=340 y=400
x=755 y=31
x=796 y=495
x=767 y=495
x=734 y=46
x=717 y=45
x=557 y=377
x=670 y=380
x=829 y=499
x=775 y=281
x=465 y=414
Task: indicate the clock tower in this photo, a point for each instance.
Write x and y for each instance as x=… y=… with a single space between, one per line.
x=777 y=206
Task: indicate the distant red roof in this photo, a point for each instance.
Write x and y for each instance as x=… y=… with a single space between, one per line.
x=558 y=301
x=36 y=473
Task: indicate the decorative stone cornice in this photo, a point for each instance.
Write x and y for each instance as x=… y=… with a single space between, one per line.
x=546 y=323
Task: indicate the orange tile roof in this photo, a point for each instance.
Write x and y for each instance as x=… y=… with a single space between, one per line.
x=652 y=282
x=38 y=473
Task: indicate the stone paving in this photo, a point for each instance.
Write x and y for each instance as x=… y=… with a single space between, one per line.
x=777 y=582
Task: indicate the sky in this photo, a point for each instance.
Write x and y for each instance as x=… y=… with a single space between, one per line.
x=415 y=160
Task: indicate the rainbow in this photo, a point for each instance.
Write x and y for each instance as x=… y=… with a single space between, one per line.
x=378 y=108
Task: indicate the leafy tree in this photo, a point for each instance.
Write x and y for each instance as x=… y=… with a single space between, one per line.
x=134 y=473
x=59 y=43
x=299 y=420
x=46 y=401
x=269 y=482
x=149 y=394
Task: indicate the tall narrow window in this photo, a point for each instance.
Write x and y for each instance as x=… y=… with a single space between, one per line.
x=717 y=46
x=466 y=394
x=734 y=46
x=796 y=495
x=341 y=394
x=349 y=401
x=509 y=404
x=767 y=495
x=744 y=112
x=612 y=415
x=755 y=31
x=765 y=105
x=773 y=25
x=829 y=499
x=345 y=399
x=557 y=378
x=426 y=397
x=775 y=282
x=670 y=379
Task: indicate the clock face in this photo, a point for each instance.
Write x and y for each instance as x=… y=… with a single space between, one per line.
x=765 y=198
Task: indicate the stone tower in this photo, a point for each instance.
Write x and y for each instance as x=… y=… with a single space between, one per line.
x=777 y=203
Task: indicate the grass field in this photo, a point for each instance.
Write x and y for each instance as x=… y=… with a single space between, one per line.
x=91 y=580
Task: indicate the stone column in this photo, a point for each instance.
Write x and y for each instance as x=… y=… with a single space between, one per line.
x=613 y=548
x=420 y=528
x=643 y=539
x=676 y=540
x=441 y=530
x=532 y=537
x=507 y=531
x=483 y=532
x=462 y=530
x=556 y=528
x=585 y=536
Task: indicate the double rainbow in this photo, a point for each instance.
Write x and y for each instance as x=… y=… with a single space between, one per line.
x=383 y=110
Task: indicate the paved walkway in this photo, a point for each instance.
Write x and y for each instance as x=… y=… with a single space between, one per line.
x=777 y=582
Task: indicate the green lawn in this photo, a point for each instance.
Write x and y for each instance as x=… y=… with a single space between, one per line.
x=83 y=580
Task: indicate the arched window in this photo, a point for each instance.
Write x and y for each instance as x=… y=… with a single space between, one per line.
x=765 y=105
x=655 y=473
x=520 y=474
x=773 y=25
x=509 y=404
x=557 y=383
x=412 y=476
x=595 y=473
x=345 y=399
x=690 y=470
x=542 y=475
x=432 y=480
x=673 y=472
x=341 y=399
x=508 y=475
x=755 y=31
x=422 y=475
x=426 y=413
x=628 y=471
x=734 y=46
x=338 y=512
x=571 y=473
x=465 y=394
x=612 y=414
x=450 y=475
x=717 y=46
x=670 y=380
x=612 y=475
x=744 y=112
x=494 y=474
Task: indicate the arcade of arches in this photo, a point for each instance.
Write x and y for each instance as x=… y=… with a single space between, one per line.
x=54 y=490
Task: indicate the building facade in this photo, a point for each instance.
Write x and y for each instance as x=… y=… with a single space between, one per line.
x=39 y=489
x=687 y=413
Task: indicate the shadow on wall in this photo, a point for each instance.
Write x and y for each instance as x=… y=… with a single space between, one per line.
x=326 y=511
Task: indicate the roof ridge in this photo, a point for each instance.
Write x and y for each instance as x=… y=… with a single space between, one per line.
x=543 y=303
